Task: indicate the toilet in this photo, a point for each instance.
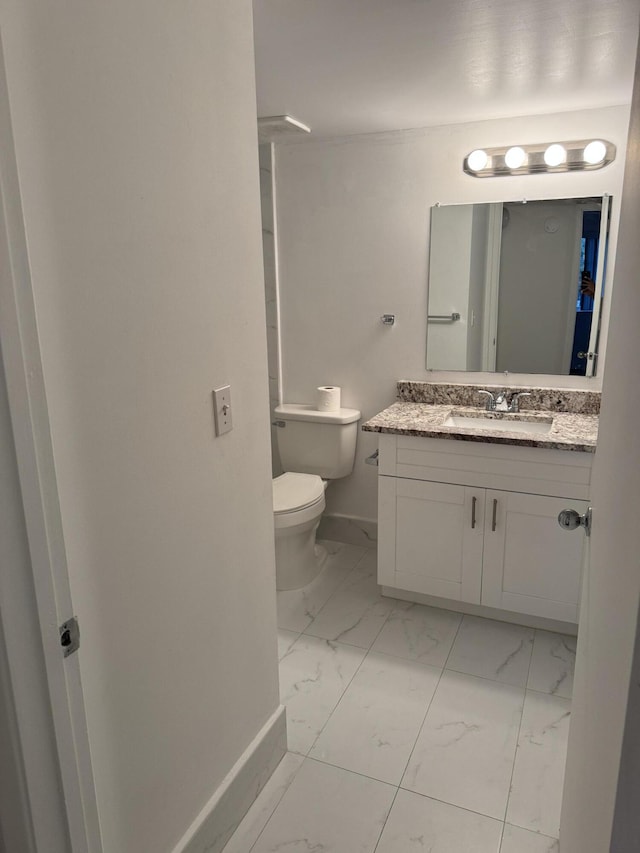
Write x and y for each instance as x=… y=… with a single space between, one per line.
x=315 y=447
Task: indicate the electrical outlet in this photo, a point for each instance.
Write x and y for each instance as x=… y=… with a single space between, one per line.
x=222 y=409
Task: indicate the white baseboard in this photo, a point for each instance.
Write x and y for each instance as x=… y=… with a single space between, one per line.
x=350 y=529
x=218 y=820
x=480 y=610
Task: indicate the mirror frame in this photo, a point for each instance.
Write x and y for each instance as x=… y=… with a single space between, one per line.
x=493 y=261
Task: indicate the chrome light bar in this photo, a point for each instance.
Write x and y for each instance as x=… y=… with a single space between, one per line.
x=548 y=157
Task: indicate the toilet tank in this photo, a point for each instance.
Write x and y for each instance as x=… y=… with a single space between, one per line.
x=313 y=442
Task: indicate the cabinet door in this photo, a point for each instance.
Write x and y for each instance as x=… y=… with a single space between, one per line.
x=430 y=538
x=530 y=564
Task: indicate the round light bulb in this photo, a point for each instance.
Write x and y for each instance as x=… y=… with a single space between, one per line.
x=555 y=155
x=595 y=152
x=515 y=157
x=477 y=160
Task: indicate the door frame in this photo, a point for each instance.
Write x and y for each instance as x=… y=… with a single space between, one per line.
x=39 y=503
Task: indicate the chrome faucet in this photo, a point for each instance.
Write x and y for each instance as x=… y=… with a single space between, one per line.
x=514 y=404
x=491 y=400
x=499 y=403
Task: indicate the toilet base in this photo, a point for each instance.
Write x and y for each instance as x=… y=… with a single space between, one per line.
x=298 y=558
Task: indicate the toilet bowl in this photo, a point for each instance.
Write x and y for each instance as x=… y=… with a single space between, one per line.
x=314 y=447
x=298 y=504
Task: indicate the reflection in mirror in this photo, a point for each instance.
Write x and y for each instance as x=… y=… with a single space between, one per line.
x=517 y=286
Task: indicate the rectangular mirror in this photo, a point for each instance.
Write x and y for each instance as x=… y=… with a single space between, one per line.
x=517 y=286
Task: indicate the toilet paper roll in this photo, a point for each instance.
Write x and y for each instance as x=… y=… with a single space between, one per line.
x=328 y=398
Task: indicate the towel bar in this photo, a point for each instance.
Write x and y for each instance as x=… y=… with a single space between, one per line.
x=450 y=318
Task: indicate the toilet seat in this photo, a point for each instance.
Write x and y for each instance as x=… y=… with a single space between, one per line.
x=297 y=499
x=293 y=492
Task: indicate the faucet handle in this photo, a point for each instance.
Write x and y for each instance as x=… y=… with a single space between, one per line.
x=491 y=400
x=514 y=405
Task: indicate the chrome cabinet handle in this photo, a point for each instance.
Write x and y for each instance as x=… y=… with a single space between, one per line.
x=495 y=513
x=474 y=501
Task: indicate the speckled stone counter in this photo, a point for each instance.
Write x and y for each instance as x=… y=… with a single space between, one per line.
x=537 y=399
x=569 y=430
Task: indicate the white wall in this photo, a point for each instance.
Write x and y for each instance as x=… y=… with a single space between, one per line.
x=136 y=146
x=353 y=225
x=609 y=613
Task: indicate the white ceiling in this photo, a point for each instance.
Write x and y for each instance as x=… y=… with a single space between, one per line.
x=359 y=66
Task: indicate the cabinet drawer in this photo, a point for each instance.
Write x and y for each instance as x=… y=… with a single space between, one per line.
x=535 y=470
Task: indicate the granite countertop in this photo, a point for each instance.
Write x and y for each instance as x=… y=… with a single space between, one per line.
x=569 y=430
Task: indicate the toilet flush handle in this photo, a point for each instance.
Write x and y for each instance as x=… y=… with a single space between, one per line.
x=280 y=424
x=373 y=459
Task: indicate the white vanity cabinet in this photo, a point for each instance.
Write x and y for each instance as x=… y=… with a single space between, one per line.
x=477 y=522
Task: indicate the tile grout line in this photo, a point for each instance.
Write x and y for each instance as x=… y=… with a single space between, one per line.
x=355 y=773
x=382 y=828
x=366 y=655
x=280 y=798
x=306 y=756
x=409 y=791
x=335 y=707
x=454 y=805
x=280 y=659
x=408 y=761
x=371 y=605
x=515 y=754
x=348 y=573
x=420 y=663
x=398 y=788
x=442 y=671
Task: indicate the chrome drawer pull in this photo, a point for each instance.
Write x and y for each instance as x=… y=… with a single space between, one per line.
x=495 y=513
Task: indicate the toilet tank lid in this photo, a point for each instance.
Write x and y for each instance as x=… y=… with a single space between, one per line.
x=299 y=412
x=293 y=491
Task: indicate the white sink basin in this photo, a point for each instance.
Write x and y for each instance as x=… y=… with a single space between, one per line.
x=539 y=427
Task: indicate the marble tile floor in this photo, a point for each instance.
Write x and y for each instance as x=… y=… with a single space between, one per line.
x=411 y=728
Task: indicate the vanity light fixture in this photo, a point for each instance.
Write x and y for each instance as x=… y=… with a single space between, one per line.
x=555 y=155
x=515 y=158
x=478 y=160
x=595 y=152
x=581 y=154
